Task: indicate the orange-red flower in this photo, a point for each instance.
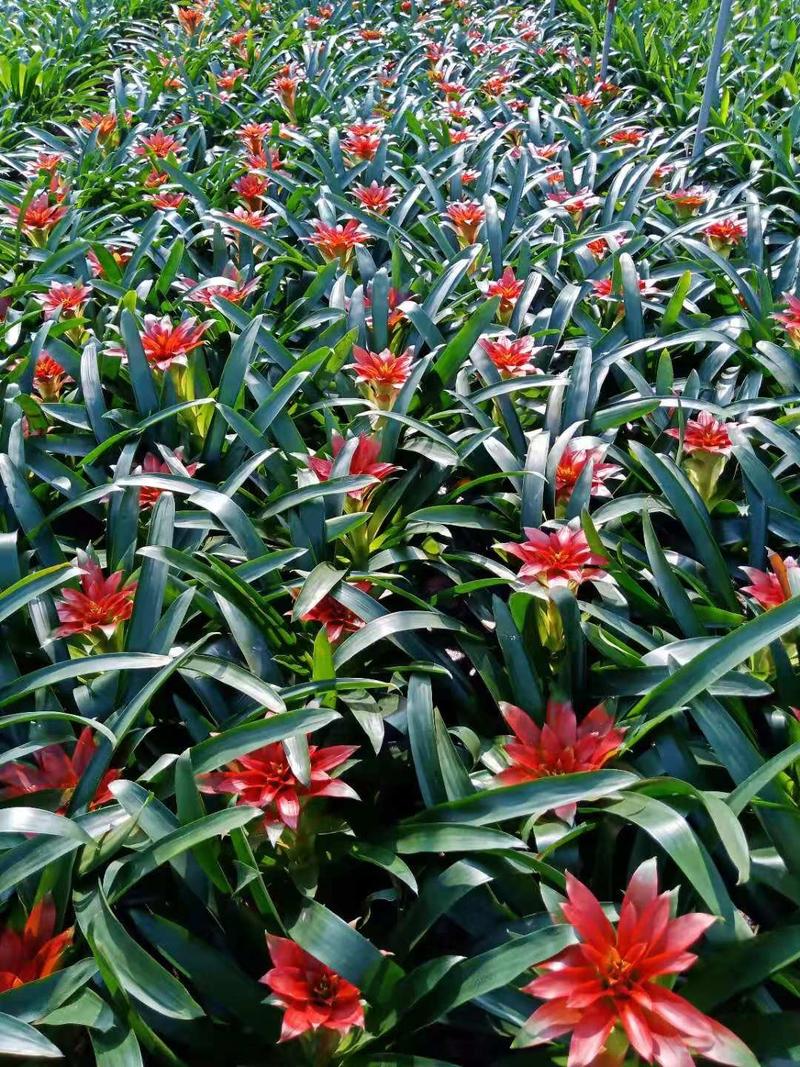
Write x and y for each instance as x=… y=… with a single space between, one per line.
x=33 y=952
x=118 y=254
x=312 y=995
x=723 y=235
x=585 y=101
x=256 y=220
x=101 y=604
x=49 y=378
x=508 y=288
x=631 y=136
x=704 y=434
x=362 y=146
x=105 y=125
x=285 y=88
x=560 y=746
x=611 y=982
x=604 y=289
x=167 y=201
x=265 y=780
x=164 y=343
x=687 y=201
x=383 y=373
x=560 y=557
x=160 y=144
x=190 y=18
x=790 y=318
x=512 y=356
x=573 y=203
x=40 y=216
x=771 y=588
x=374 y=197
x=338 y=242
x=253 y=134
x=572 y=465
x=231 y=286
x=335 y=617
x=149 y=494
x=55 y=771
x=363 y=461
x=251 y=188
x=466 y=217
x=67 y=298
x=45 y=161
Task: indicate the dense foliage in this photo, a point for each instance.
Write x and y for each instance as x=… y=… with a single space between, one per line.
x=399 y=480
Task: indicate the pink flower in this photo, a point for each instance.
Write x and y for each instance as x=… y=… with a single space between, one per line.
x=571 y=466
x=160 y=144
x=149 y=494
x=374 y=197
x=704 y=434
x=335 y=617
x=612 y=981
x=508 y=289
x=770 y=589
x=384 y=373
x=562 y=557
x=338 y=242
x=363 y=461
x=67 y=298
x=165 y=344
x=790 y=318
x=561 y=746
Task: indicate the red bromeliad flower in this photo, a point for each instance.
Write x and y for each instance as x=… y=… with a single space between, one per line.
x=232 y=286
x=149 y=494
x=508 y=289
x=49 y=378
x=560 y=746
x=688 y=201
x=118 y=254
x=600 y=247
x=466 y=217
x=363 y=461
x=660 y=175
x=190 y=18
x=265 y=780
x=770 y=589
x=228 y=80
x=100 y=604
x=40 y=216
x=627 y=137
x=338 y=242
x=160 y=144
x=585 y=101
x=562 y=557
x=384 y=373
x=155 y=179
x=374 y=197
x=34 y=952
x=571 y=466
x=251 y=188
x=724 y=235
x=256 y=220
x=285 y=88
x=105 y=125
x=512 y=356
x=164 y=343
x=312 y=995
x=704 y=434
x=604 y=289
x=253 y=134
x=57 y=771
x=362 y=146
x=335 y=617
x=167 y=201
x=609 y=982
x=67 y=298
x=790 y=318
x=574 y=204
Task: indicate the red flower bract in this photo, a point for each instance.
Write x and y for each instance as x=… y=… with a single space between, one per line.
x=313 y=996
x=573 y=463
x=512 y=356
x=610 y=978
x=264 y=779
x=363 y=461
x=338 y=242
x=49 y=378
x=562 y=557
x=101 y=604
x=165 y=344
x=384 y=373
x=560 y=746
x=33 y=952
x=57 y=771
x=704 y=434
x=769 y=589
x=790 y=318
x=67 y=298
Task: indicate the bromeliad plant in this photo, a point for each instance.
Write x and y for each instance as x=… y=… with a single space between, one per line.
x=399 y=507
